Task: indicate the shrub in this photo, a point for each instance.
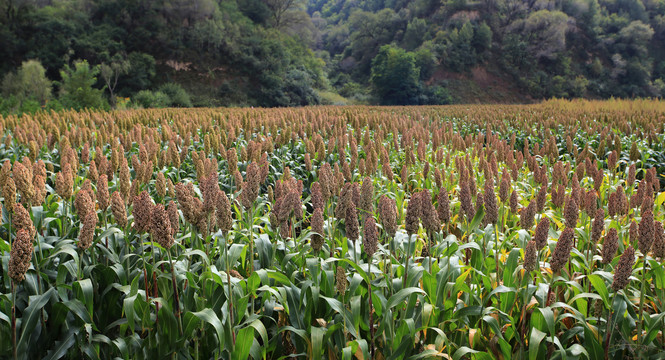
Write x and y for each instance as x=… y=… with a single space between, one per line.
x=177 y=95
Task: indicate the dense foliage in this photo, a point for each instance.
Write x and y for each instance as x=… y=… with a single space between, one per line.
x=222 y=52
x=461 y=232
x=570 y=48
x=298 y=52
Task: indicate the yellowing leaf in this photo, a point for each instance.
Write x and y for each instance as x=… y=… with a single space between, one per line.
x=660 y=199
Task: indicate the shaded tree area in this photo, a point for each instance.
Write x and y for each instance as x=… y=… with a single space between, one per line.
x=570 y=48
x=301 y=52
x=135 y=46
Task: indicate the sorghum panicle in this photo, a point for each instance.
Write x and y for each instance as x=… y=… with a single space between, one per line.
x=542 y=230
x=610 y=245
x=370 y=237
x=646 y=232
x=624 y=269
x=118 y=209
x=388 y=215
x=562 y=250
x=20 y=255
x=530 y=256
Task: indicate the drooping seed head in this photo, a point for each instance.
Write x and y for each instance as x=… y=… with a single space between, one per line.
x=598 y=225
x=530 y=256
x=251 y=186
x=646 y=232
x=610 y=245
x=413 y=214
x=542 y=230
x=591 y=202
x=491 y=208
x=624 y=269
x=388 y=215
x=5 y=172
x=103 y=192
x=465 y=200
x=118 y=209
x=514 y=202
x=562 y=249
x=9 y=193
x=317 y=195
x=160 y=226
x=87 y=232
x=366 y=204
x=443 y=206
x=658 y=246
x=160 y=185
x=504 y=188
x=317 y=228
x=370 y=237
x=39 y=184
x=351 y=222
x=209 y=192
x=64 y=183
x=23 y=179
x=142 y=212
x=428 y=214
x=527 y=215
x=340 y=280
x=20 y=255
x=571 y=212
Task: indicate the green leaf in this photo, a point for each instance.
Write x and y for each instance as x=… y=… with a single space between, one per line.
x=211 y=318
x=463 y=351
x=317 y=334
x=29 y=320
x=599 y=284
x=243 y=343
x=536 y=338
x=61 y=347
x=84 y=292
x=402 y=295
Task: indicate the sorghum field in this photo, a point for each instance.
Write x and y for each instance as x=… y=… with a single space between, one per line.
x=462 y=232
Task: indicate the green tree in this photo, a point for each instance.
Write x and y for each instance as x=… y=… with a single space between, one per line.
x=77 y=90
x=482 y=38
x=110 y=73
x=426 y=62
x=395 y=76
x=415 y=33
x=28 y=83
x=177 y=94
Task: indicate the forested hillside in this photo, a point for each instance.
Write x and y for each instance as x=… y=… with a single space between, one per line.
x=542 y=49
x=108 y=53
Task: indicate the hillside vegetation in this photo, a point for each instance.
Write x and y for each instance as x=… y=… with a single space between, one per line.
x=295 y=52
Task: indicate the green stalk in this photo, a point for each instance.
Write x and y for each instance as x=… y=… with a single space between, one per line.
x=406 y=263
x=39 y=280
x=610 y=329
x=640 y=324
x=126 y=252
x=145 y=271
x=496 y=252
x=176 y=297
x=228 y=282
x=371 y=322
x=13 y=286
x=251 y=250
x=9 y=233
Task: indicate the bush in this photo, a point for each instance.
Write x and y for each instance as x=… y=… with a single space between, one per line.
x=151 y=99
x=395 y=76
x=76 y=87
x=29 y=82
x=177 y=95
